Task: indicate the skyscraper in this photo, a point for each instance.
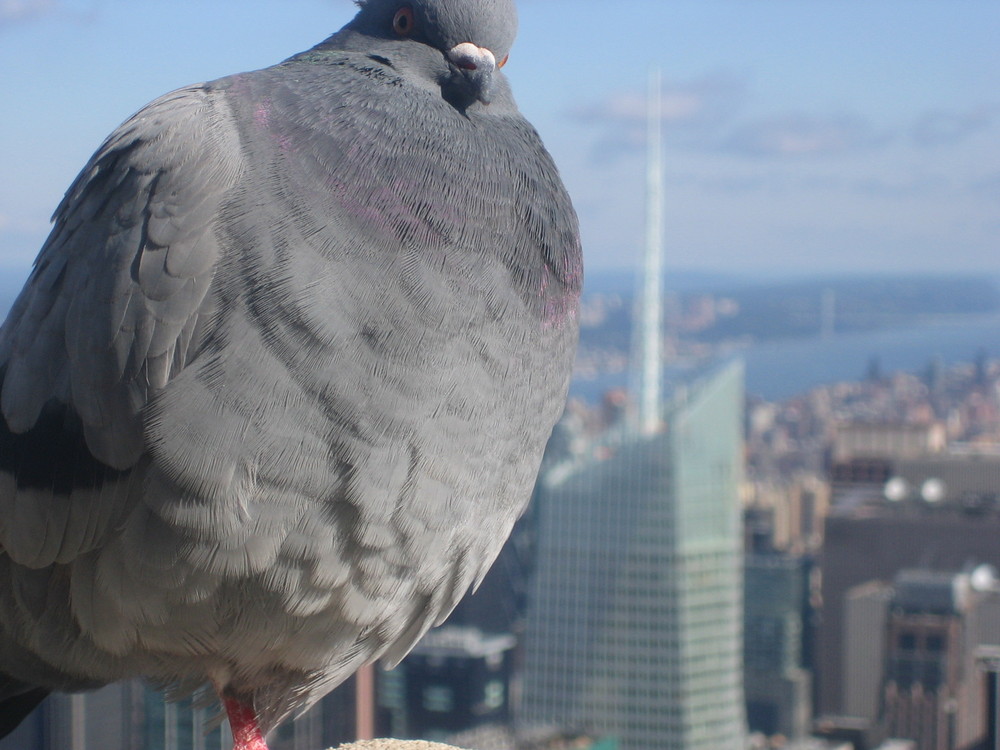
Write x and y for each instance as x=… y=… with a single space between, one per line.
x=775 y=679
x=634 y=623
x=877 y=540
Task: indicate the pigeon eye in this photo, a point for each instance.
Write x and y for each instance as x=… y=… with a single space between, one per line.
x=402 y=23
x=504 y=61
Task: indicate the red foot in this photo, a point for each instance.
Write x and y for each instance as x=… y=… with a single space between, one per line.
x=243 y=722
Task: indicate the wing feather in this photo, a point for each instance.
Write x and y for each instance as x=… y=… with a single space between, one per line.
x=116 y=304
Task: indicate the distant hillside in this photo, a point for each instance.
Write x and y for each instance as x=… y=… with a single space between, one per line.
x=619 y=281
x=796 y=309
x=724 y=311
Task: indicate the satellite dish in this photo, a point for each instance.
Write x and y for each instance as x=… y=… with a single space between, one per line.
x=932 y=490
x=984 y=578
x=896 y=489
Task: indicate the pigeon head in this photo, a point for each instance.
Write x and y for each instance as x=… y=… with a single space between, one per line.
x=455 y=44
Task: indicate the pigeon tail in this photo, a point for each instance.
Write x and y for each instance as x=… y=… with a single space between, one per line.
x=243 y=723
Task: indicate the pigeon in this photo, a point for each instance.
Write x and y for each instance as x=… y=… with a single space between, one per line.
x=280 y=380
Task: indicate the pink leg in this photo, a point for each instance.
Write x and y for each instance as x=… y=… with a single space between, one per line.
x=243 y=722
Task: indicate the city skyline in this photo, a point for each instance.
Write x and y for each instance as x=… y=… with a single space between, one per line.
x=816 y=136
x=634 y=614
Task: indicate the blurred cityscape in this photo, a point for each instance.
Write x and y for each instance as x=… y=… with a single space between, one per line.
x=815 y=572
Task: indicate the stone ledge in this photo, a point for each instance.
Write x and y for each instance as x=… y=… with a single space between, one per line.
x=396 y=745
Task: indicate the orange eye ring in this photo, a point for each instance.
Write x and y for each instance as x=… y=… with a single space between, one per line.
x=402 y=22
x=504 y=61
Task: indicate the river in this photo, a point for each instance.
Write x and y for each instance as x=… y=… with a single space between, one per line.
x=778 y=370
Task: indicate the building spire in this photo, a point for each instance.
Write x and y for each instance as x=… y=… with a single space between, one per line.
x=650 y=349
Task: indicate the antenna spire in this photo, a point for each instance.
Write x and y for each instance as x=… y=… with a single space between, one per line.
x=651 y=379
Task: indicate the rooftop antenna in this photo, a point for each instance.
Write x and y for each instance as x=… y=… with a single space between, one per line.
x=651 y=378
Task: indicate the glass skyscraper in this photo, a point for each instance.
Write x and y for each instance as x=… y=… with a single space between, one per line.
x=634 y=623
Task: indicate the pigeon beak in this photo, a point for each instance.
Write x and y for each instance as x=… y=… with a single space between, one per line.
x=476 y=65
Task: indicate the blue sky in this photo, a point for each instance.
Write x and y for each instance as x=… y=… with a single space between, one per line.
x=802 y=136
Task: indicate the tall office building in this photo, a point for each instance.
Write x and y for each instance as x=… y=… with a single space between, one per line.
x=949 y=515
x=126 y=715
x=456 y=679
x=913 y=656
x=776 y=681
x=866 y=614
x=932 y=692
x=129 y=715
x=634 y=620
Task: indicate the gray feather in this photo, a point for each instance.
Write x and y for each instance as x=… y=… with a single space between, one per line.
x=298 y=337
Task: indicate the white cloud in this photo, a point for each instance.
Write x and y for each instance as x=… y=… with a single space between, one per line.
x=698 y=102
x=702 y=114
x=691 y=111
x=988 y=187
x=13 y=11
x=940 y=127
x=791 y=136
